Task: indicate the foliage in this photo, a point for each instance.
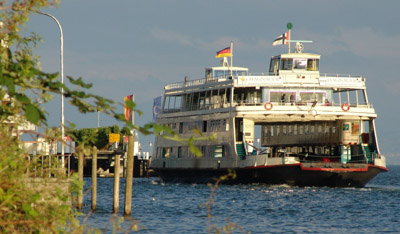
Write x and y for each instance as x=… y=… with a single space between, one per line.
x=24 y=89
x=95 y=136
x=230 y=227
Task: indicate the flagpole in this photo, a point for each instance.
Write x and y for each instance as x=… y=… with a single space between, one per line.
x=231 y=56
x=289 y=26
x=290 y=34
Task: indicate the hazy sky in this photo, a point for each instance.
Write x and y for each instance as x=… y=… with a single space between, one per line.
x=125 y=47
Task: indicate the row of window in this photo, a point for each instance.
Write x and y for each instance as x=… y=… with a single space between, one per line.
x=293 y=63
x=209 y=99
x=213 y=151
x=215 y=125
x=298 y=129
x=220 y=98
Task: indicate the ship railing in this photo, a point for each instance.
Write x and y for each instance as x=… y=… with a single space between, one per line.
x=196 y=82
x=244 y=103
x=338 y=75
x=297 y=103
x=309 y=158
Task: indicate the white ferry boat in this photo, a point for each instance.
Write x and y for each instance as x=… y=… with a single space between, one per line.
x=292 y=125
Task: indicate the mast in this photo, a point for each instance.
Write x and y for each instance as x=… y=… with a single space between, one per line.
x=289 y=26
x=231 y=57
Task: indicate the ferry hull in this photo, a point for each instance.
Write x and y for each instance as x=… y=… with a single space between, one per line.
x=293 y=175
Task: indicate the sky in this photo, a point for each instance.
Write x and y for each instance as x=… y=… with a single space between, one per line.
x=127 y=46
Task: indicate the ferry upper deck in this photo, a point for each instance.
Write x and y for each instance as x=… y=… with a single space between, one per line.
x=292 y=86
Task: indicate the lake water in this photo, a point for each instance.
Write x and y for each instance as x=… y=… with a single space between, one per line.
x=179 y=208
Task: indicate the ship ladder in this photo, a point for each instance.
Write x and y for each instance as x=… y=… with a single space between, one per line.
x=241 y=151
x=368 y=154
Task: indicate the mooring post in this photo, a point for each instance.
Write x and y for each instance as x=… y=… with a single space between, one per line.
x=94 y=178
x=129 y=177
x=116 y=181
x=80 y=174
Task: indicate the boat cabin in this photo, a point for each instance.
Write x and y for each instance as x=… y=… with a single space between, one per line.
x=225 y=71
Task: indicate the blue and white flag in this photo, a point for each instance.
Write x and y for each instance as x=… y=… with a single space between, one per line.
x=282 y=39
x=156 y=107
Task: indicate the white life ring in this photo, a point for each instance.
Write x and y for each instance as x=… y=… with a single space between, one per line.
x=345 y=107
x=268 y=106
x=313 y=112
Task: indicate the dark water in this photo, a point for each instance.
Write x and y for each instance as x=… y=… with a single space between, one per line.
x=177 y=208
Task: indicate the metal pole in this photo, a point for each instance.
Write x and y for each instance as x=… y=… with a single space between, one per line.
x=62 y=82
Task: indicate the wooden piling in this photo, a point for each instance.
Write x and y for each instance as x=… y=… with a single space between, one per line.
x=129 y=177
x=116 y=182
x=80 y=174
x=94 y=178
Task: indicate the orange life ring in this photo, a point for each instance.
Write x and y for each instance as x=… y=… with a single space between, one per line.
x=345 y=107
x=268 y=106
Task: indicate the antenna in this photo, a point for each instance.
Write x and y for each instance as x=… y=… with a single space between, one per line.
x=224 y=62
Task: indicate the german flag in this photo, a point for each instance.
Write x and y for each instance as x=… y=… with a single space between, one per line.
x=127 y=110
x=224 y=53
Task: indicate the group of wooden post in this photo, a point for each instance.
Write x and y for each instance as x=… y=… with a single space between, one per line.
x=128 y=179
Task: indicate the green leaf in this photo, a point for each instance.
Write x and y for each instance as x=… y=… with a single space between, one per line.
x=22 y=98
x=32 y=113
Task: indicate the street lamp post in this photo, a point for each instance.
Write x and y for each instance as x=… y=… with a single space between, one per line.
x=62 y=82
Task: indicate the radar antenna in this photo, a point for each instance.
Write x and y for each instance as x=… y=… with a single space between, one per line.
x=224 y=62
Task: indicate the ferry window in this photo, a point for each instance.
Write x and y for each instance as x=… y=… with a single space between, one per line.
x=180 y=128
x=178 y=103
x=222 y=97
x=187 y=102
x=239 y=73
x=333 y=129
x=220 y=73
x=306 y=130
x=208 y=99
x=327 y=129
x=278 y=130
x=301 y=127
x=171 y=103
x=179 y=152
x=203 y=150
x=218 y=151
x=274 y=65
x=166 y=103
x=281 y=96
x=224 y=125
x=286 y=64
x=312 y=129
x=309 y=96
x=284 y=130
x=195 y=101
x=167 y=151
x=300 y=63
x=319 y=129
x=295 y=129
x=208 y=73
x=272 y=130
x=313 y=64
x=290 y=130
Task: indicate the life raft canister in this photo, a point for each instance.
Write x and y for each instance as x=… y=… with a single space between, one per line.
x=345 y=107
x=268 y=106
